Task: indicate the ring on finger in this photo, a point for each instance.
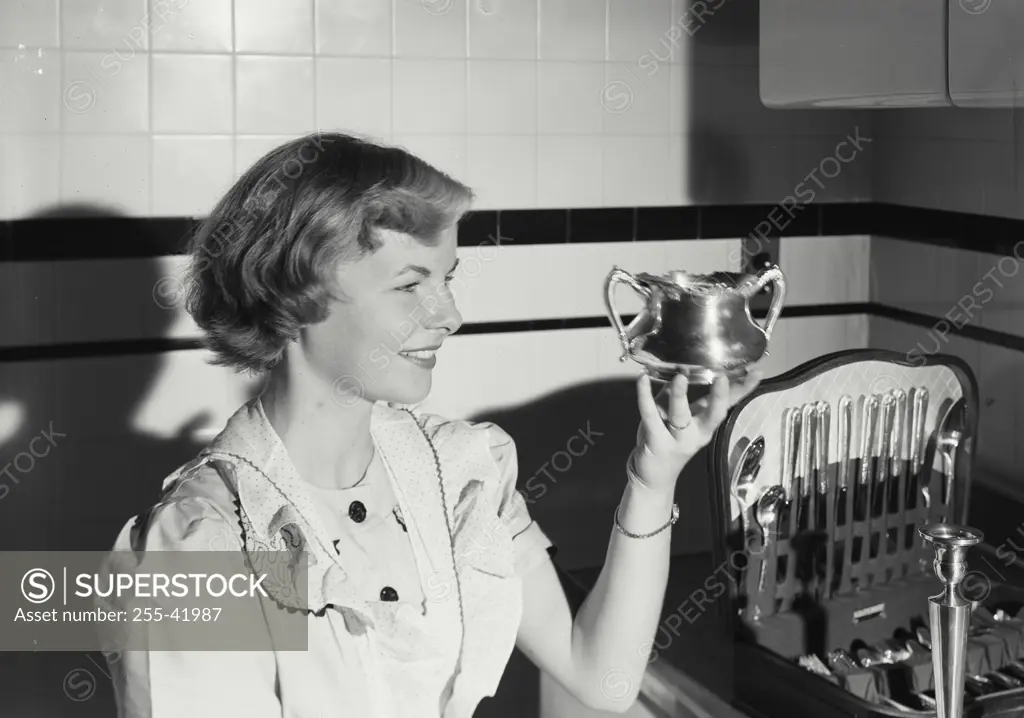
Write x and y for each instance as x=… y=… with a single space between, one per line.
x=673 y=427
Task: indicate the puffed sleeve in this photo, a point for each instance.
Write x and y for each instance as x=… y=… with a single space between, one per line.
x=532 y=546
x=196 y=684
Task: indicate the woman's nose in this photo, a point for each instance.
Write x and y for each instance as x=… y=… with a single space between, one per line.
x=446 y=316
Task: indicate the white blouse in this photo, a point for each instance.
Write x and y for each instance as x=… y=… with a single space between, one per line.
x=372 y=652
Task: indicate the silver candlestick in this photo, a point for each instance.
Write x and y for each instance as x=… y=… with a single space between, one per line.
x=950 y=614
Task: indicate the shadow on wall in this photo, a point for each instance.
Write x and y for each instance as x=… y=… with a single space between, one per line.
x=718 y=171
x=572 y=447
x=90 y=474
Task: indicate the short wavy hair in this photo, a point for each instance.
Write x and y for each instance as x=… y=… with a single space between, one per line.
x=262 y=264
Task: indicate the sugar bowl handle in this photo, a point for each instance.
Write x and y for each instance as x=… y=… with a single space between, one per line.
x=774 y=276
x=617 y=276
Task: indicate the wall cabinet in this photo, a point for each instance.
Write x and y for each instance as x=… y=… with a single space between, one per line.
x=891 y=53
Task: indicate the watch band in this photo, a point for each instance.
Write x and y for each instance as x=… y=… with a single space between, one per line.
x=624 y=532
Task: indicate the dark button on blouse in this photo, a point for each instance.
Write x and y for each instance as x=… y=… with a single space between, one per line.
x=357 y=511
x=388 y=594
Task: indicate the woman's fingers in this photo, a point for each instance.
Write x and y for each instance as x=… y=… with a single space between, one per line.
x=650 y=415
x=678 y=413
x=671 y=406
x=717 y=404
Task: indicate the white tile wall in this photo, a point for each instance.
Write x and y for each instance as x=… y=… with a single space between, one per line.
x=107 y=171
x=353 y=27
x=513 y=97
x=935 y=280
x=999 y=453
x=826 y=270
x=30 y=99
x=193 y=27
x=967 y=160
x=274 y=94
x=181 y=105
x=265 y=27
x=572 y=30
x=111 y=94
x=354 y=94
x=45 y=303
x=38 y=183
x=114 y=26
x=960 y=288
x=179 y=187
x=33 y=23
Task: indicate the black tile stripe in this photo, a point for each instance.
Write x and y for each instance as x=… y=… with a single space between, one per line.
x=759 y=220
x=603 y=224
x=96 y=237
x=957 y=230
x=97 y=349
x=157 y=346
x=534 y=226
x=477 y=228
x=967 y=331
x=654 y=223
x=839 y=220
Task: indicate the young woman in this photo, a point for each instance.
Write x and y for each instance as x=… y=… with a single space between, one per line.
x=327 y=268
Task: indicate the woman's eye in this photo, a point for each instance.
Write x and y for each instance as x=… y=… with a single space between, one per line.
x=412 y=287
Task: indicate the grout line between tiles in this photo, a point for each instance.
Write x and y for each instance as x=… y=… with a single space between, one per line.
x=536 y=110
x=62 y=79
x=393 y=63
x=467 y=100
x=235 y=169
x=149 y=115
x=607 y=31
x=315 y=99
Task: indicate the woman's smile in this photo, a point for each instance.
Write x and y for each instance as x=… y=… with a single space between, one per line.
x=426 y=358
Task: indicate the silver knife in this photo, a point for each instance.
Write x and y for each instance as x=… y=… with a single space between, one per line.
x=896 y=482
x=922 y=474
x=823 y=425
x=918 y=397
x=844 y=505
x=862 y=492
x=790 y=426
x=897 y=446
x=788 y=521
x=823 y=550
x=881 y=486
x=806 y=447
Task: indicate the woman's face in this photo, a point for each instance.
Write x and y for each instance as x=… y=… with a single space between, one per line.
x=380 y=338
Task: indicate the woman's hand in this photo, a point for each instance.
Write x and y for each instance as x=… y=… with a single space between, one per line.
x=669 y=437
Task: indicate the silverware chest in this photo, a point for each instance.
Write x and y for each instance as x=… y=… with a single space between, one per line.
x=865 y=447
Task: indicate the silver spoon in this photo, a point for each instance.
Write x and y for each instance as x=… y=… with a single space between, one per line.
x=870 y=656
x=924 y=637
x=841 y=662
x=894 y=651
x=1001 y=616
x=743 y=482
x=927 y=701
x=767 y=515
